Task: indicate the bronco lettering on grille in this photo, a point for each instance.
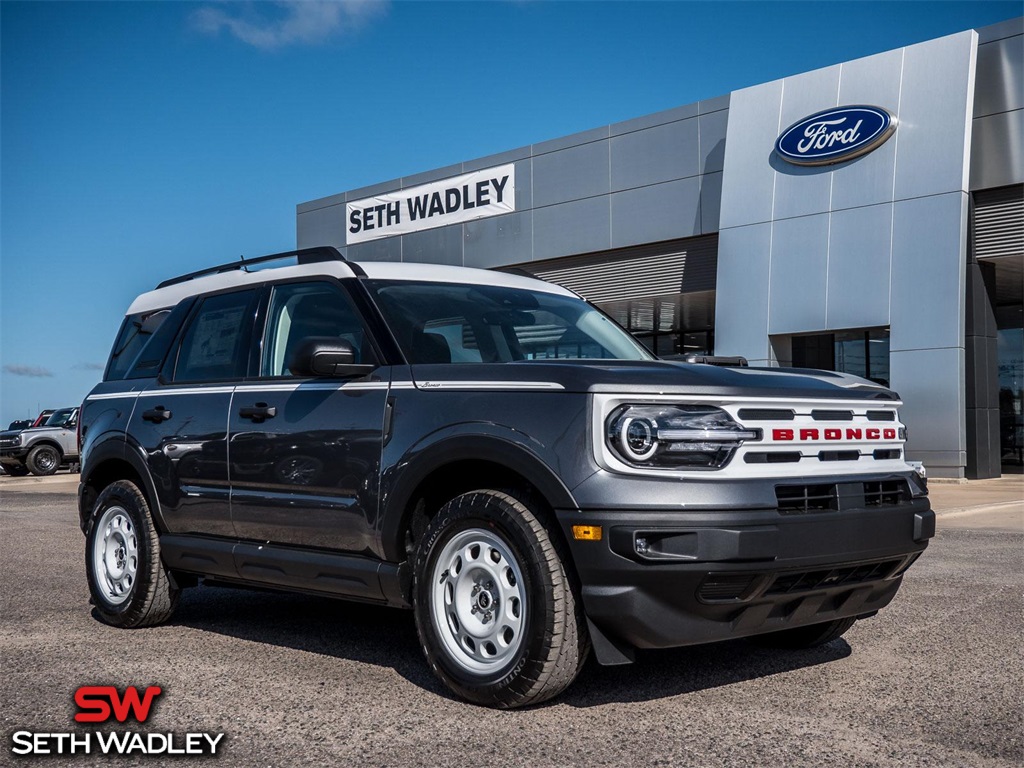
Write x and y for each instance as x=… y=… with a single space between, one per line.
x=810 y=433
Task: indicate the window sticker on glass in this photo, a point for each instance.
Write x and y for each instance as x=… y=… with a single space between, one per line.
x=215 y=338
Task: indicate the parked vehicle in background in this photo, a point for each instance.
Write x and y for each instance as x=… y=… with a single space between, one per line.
x=42 y=417
x=44 y=449
x=493 y=453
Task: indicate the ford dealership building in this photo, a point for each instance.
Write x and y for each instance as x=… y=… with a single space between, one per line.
x=867 y=217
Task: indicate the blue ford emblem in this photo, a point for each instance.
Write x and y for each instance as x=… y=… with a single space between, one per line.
x=835 y=135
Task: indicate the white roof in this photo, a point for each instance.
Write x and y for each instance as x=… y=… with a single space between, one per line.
x=164 y=298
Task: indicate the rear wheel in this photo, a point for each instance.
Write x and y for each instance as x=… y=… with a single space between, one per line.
x=495 y=610
x=130 y=586
x=806 y=637
x=43 y=460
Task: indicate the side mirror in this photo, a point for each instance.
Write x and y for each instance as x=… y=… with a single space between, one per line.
x=327 y=356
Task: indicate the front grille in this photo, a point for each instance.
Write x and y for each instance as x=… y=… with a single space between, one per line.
x=719 y=587
x=8 y=442
x=798 y=499
x=773 y=457
x=805 y=498
x=807 y=581
x=838 y=455
x=766 y=414
x=886 y=493
x=832 y=415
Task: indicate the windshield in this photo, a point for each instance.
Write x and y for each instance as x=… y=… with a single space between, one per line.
x=456 y=323
x=60 y=418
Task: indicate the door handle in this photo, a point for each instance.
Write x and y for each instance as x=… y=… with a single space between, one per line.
x=258 y=412
x=156 y=415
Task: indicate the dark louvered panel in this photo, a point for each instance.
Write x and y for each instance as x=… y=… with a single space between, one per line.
x=999 y=222
x=719 y=587
x=808 y=581
x=662 y=269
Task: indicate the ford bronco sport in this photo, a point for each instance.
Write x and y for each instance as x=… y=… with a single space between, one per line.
x=492 y=452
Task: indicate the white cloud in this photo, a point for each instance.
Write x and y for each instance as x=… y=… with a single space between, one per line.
x=34 y=371
x=294 y=22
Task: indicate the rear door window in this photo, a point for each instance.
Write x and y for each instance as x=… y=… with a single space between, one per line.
x=216 y=343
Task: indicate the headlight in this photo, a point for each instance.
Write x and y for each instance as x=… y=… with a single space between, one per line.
x=666 y=436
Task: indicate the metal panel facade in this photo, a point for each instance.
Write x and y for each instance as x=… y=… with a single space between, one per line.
x=654 y=178
x=875 y=241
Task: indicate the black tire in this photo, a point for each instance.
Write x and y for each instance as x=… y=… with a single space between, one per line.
x=554 y=642
x=149 y=597
x=16 y=470
x=43 y=460
x=810 y=636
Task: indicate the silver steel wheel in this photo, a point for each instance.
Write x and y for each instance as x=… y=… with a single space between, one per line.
x=115 y=555
x=477 y=601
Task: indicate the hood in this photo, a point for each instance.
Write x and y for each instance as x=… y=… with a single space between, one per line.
x=33 y=431
x=653 y=377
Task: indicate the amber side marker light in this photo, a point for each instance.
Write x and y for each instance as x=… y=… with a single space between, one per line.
x=586 y=532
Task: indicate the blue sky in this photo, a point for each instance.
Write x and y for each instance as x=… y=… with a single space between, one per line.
x=143 y=140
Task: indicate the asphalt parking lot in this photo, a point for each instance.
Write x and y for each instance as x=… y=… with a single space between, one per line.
x=934 y=680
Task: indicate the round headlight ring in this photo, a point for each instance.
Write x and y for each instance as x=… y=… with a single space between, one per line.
x=638 y=438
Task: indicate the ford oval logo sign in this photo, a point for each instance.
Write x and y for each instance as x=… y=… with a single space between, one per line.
x=835 y=135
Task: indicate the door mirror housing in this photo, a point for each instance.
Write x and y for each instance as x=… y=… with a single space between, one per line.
x=327 y=356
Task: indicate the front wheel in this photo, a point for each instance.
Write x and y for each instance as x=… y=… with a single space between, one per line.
x=43 y=460
x=496 y=613
x=130 y=586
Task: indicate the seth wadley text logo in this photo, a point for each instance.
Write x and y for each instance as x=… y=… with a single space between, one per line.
x=102 y=703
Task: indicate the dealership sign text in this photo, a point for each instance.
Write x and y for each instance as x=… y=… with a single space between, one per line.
x=835 y=135
x=102 y=703
x=475 y=195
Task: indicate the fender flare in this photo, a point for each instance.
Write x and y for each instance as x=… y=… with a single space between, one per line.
x=421 y=460
x=114 y=448
x=46 y=441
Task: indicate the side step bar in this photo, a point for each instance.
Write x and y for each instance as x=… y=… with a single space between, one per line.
x=320 y=572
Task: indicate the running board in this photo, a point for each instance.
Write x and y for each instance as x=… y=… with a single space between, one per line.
x=302 y=570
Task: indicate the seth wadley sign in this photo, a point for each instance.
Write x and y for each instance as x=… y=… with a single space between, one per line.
x=475 y=195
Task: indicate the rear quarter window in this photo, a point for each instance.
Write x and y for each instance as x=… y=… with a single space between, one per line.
x=135 y=332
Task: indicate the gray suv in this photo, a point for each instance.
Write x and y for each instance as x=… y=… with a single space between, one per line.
x=492 y=452
x=44 y=449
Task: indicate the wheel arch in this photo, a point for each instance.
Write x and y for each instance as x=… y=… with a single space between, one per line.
x=46 y=441
x=457 y=465
x=109 y=462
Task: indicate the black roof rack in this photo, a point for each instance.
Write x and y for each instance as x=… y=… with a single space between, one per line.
x=304 y=255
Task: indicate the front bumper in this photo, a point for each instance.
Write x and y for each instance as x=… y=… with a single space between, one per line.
x=666 y=579
x=13 y=455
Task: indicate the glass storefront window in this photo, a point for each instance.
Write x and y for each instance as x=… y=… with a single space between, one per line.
x=669 y=326
x=862 y=353
x=1010 y=347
